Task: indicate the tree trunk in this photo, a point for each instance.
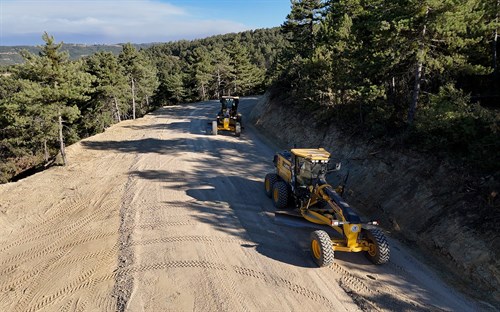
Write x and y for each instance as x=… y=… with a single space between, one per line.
x=61 y=140
x=132 y=85
x=45 y=151
x=418 y=74
x=117 y=110
x=392 y=94
x=203 y=95
x=218 y=83
x=416 y=93
x=495 y=44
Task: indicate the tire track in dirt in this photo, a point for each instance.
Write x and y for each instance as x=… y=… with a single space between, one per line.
x=66 y=239
x=36 y=276
x=160 y=224
x=123 y=280
x=272 y=280
x=15 y=282
x=66 y=307
x=102 y=202
x=70 y=205
x=54 y=248
x=284 y=283
x=27 y=235
x=35 y=252
x=223 y=285
x=107 y=302
x=365 y=293
x=84 y=280
x=199 y=239
x=142 y=211
x=51 y=239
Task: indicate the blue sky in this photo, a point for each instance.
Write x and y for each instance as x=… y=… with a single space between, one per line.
x=22 y=22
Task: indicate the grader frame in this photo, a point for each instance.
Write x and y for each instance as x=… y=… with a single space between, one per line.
x=300 y=180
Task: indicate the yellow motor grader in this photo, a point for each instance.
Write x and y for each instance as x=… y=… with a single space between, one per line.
x=228 y=118
x=300 y=180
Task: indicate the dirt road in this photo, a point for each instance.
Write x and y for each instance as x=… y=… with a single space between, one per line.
x=156 y=214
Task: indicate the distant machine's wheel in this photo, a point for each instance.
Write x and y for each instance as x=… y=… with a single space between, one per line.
x=214 y=127
x=237 y=129
x=322 y=248
x=379 y=251
x=280 y=194
x=269 y=181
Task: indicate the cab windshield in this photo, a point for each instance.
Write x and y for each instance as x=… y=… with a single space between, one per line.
x=309 y=170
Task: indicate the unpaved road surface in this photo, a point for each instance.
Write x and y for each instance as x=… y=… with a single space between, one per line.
x=156 y=214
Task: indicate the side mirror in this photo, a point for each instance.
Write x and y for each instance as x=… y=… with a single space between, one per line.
x=336 y=168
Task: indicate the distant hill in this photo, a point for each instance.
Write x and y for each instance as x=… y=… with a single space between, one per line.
x=9 y=55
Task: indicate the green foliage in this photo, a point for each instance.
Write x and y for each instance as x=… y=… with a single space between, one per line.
x=374 y=65
x=142 y=78
x=108 y=101
x=91 y=93
x=220 y=65
x=450 y=123
x=40 y=102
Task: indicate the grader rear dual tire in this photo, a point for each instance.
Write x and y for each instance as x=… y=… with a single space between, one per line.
x=379 y=252
x=280 y=194
x=269 y=181
x=237 y=129
x=214 y=127
x=322 y=248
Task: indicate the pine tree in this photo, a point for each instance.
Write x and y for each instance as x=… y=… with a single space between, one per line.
x=202 y=71
x=110 y=84
x=433 y=36
x=222 y=72
x=141 y=74
x=245 y=74
x=51 y=88
x=302 y=24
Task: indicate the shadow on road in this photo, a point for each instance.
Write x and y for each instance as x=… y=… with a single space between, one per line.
x=237 y=206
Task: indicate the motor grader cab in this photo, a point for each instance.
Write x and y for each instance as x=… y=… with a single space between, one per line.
x=228 y=118
x=300 y=181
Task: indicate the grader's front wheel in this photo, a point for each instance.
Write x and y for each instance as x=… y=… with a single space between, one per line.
x=269 y=181
x=379 y=251
x=280 y=194
x=322 y=248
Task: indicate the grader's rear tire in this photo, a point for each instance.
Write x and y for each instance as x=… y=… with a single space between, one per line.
x=237 y=129
x=269 y=181
x=214 y=127
x=379 y=252
x=280 y=194
x=322 y=248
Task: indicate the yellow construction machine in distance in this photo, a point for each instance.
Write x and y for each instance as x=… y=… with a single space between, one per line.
x=300 y=181
x=228 y=118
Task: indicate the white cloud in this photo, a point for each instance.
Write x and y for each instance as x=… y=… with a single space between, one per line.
x=110 y=21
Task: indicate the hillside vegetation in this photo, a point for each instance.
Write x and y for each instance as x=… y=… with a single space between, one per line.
x=11 y=55
x=49 y=101
x=419 y=74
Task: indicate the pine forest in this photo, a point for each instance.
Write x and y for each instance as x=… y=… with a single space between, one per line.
x=418 y=74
